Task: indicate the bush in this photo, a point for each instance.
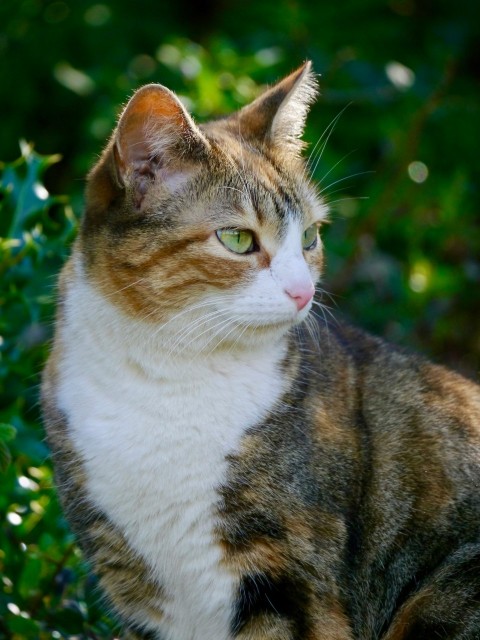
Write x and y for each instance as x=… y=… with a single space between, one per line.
x=45 y=589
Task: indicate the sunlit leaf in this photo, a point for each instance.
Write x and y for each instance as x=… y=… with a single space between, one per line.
x=24 y=191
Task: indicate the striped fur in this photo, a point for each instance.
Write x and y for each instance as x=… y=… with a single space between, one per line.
x=232 y=468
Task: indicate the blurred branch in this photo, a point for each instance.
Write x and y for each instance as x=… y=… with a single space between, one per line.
x=408 y=148
x=410 y=145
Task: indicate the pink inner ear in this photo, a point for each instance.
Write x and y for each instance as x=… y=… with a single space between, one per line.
x=152 y=113
x=156 y=138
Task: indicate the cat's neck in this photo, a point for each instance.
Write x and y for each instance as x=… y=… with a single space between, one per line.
x=112 y=338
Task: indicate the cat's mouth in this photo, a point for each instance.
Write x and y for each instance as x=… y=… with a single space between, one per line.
x=278 y=322
x=278 y=325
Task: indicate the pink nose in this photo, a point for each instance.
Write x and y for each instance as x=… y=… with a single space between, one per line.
x=301 y=294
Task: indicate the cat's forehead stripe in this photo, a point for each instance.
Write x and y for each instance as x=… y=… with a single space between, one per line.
x=274 y=208
x=270 y=200
x=257 y=207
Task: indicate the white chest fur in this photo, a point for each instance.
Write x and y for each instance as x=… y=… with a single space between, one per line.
x=154 y=450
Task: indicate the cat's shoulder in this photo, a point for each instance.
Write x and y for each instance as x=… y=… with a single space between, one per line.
x=390 y=375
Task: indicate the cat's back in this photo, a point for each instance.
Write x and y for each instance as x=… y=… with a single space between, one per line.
x=413 y=451
x=403 y=393
x=411 y=412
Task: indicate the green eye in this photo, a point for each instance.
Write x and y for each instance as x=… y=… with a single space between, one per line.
x=310 y=237
x=237 y=240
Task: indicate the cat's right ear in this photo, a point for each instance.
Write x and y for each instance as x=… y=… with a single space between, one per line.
x=155 y=136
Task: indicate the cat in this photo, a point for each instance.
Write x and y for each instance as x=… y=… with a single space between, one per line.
x=233 y=468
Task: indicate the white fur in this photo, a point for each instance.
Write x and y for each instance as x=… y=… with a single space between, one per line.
x=153 y=426
x=154 y=450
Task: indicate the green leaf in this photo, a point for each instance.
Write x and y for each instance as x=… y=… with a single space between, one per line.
x=24 y=627
x=70 y=619
x=7 y=432
x=30 y=577
x=25 y=194
x=5 y=457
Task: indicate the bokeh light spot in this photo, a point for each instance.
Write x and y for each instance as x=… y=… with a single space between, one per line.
x=73 y=79
x=14 y=518
x=399 y=75
x=142 y=66
x=420 y=276
x=418 y=171
x=97 y=15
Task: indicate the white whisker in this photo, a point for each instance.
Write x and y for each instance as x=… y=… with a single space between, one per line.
x=334 y=166
x=331 y=126
x=353 y=175
x=194 y=307
x=216 y=331
x=324 y=309
x=239 y=337
x=331 y=203
x=193 y=327
x=235 y=323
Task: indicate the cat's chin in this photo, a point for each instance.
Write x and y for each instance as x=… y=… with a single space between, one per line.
x=266 y=333
x=273 y=329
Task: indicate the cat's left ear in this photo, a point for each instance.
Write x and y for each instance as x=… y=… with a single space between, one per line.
x=155 y=136
x=277 y=117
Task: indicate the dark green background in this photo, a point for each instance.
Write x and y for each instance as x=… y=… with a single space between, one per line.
x=403 y=257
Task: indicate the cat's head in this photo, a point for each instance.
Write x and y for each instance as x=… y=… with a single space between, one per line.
x=212 y=226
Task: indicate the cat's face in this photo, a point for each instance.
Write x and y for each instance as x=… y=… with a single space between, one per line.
x=213 y=232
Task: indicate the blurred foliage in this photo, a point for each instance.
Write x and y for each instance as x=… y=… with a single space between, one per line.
x=400 y=112
x=45 y=590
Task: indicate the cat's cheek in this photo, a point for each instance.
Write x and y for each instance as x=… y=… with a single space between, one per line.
x=315 y=260
x=263 y=302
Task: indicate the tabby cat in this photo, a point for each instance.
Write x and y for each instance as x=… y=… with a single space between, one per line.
x=233 y=470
